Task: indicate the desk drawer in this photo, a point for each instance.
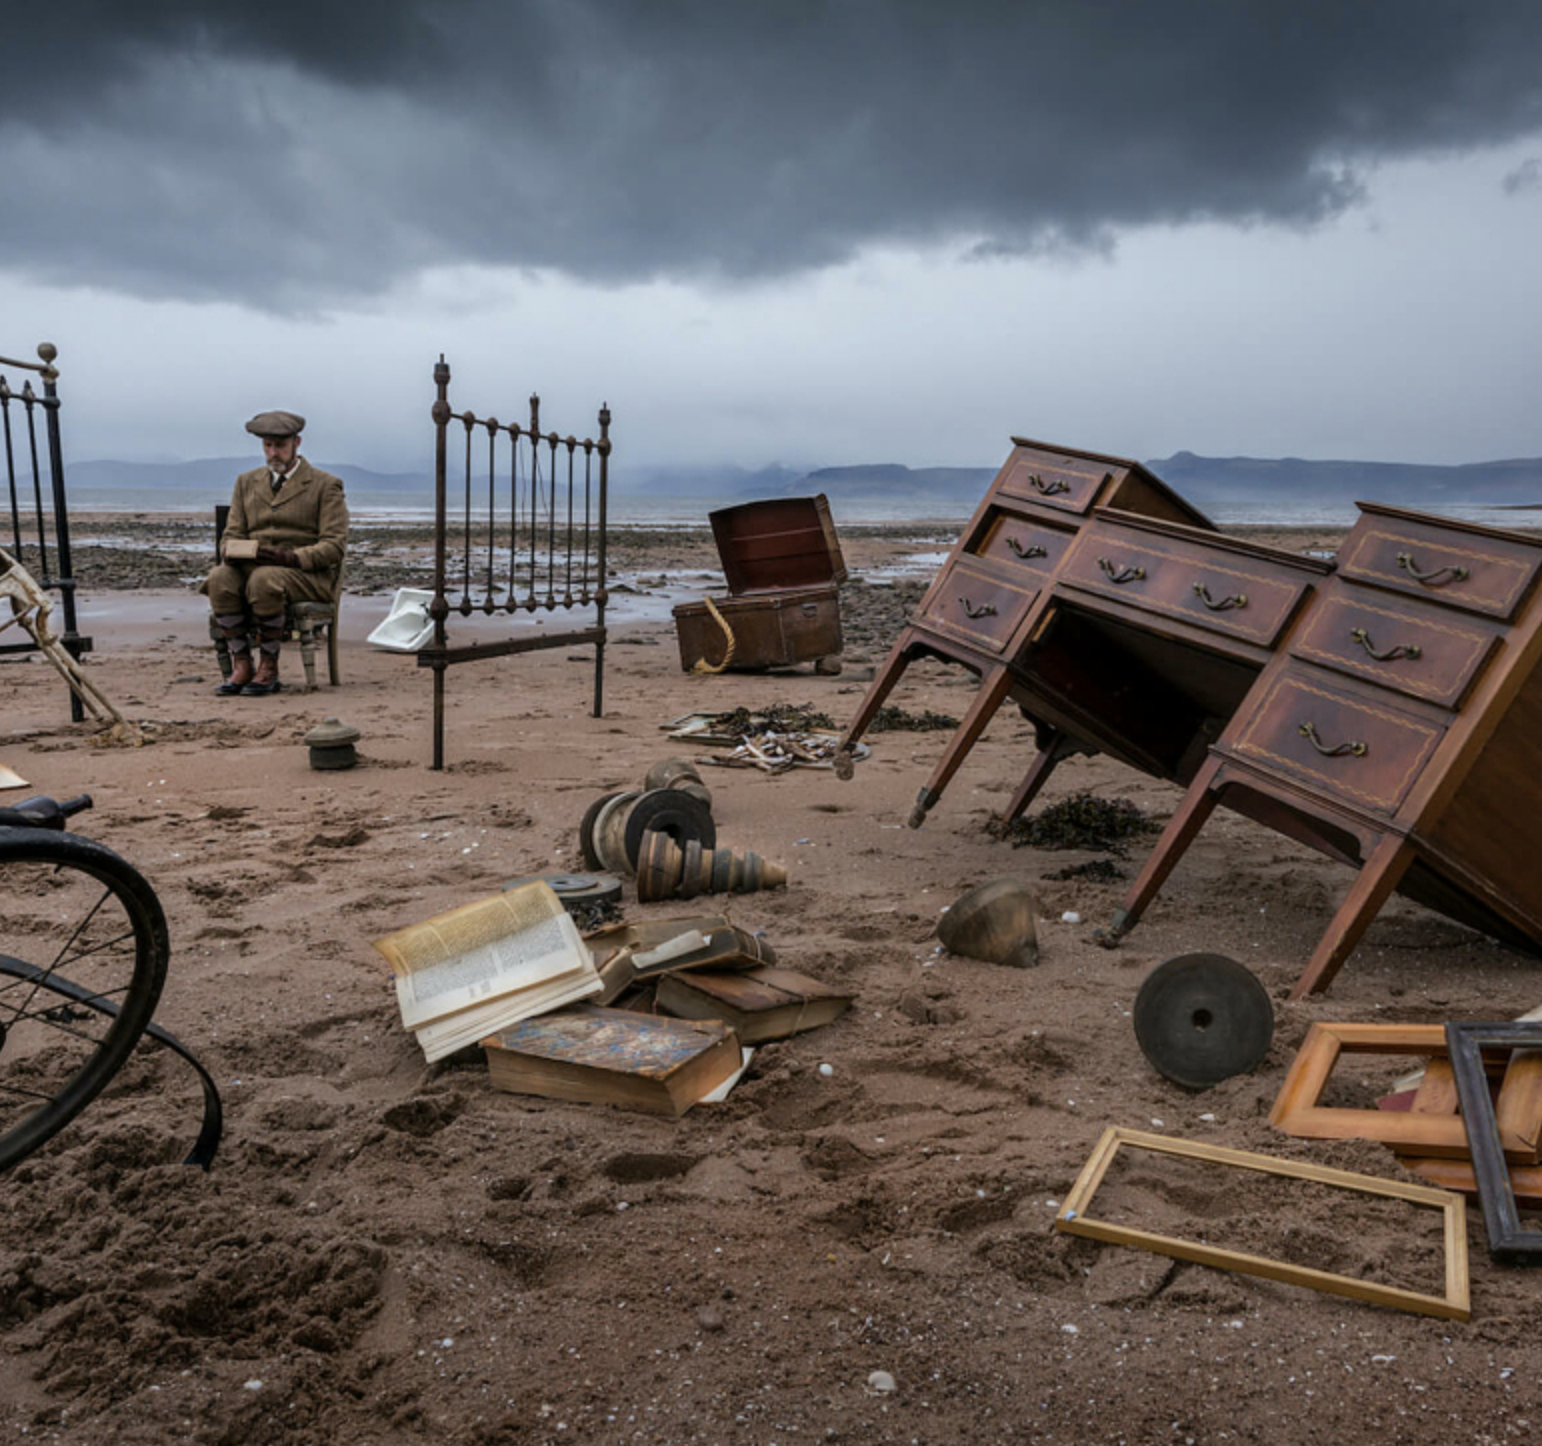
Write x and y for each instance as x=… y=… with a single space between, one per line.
x=979 y=606
x=1480 y=574
x=1020 y=544
x=1226 y=592
x=1069 y=484
x=1366 y=754
x=1422 y=651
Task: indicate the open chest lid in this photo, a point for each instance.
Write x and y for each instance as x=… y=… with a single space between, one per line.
x=777 y=544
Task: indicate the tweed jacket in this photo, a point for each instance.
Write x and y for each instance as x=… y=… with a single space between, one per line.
x=307 y=514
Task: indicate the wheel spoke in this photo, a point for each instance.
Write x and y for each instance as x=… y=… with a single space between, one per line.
x=64 y=956
x=75 y=908
x=46 y=974
x=20 y=1093
x=18 y=1016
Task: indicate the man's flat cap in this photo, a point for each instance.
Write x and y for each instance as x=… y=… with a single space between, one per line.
x=276 y=424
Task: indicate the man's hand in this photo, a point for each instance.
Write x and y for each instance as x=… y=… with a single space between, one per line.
x=278 y=556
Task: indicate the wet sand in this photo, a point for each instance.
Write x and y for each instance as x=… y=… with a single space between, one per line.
x=388 y=1252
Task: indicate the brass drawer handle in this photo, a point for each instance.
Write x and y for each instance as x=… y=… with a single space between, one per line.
x=985 y=610
x=1052 y=488
x=1236 y=600
x=1354 y=749
x=1034 y=551
x=1402 y=650
x=1435 y=577
x=1121 y=574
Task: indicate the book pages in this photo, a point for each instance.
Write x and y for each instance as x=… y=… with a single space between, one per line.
x=482 y=951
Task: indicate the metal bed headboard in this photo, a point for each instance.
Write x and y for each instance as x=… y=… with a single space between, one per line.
x=38 y=516
x=527 y=535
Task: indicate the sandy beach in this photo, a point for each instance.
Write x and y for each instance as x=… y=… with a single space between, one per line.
x=388 y=1252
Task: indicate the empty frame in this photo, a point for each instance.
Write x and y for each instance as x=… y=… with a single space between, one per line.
x=1507 y=1240
x=1297 y=1112
x=1074 y=1216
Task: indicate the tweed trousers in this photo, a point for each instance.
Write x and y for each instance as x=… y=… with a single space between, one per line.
x=262 y=589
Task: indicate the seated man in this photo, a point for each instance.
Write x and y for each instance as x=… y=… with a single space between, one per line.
x=298 y=520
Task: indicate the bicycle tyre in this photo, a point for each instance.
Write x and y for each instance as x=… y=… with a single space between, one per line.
x=72 y=859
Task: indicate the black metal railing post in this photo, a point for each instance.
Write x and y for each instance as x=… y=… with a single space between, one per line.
x=600 y=594
x=70 y=638
x=439 y=609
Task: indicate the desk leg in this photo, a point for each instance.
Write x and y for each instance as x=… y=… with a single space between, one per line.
x=883 y=684
x=1197 y=806
x=1057 y=747
x=994 y=686
x=1378 y=877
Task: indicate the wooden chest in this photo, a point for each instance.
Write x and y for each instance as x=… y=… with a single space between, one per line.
x=782 y=561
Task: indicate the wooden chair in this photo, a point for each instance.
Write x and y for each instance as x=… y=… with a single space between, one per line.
x=302 y=621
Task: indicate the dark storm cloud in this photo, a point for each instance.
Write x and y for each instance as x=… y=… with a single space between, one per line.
x=306 y=153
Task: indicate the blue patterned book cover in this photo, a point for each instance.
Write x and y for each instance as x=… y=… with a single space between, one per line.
x=617 y=1041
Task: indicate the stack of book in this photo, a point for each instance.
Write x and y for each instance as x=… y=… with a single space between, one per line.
x=513 y=974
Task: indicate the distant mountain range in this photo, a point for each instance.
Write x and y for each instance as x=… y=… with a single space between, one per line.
x=1208 y=482
x=1213 y=481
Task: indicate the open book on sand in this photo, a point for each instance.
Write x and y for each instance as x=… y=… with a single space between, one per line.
x=629 y=952
x=468 y=973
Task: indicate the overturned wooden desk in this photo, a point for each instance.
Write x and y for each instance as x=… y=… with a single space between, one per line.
x=1400 y=732
x=1385 y=712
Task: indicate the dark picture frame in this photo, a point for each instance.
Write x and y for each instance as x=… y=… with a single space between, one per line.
x=1507 y=1240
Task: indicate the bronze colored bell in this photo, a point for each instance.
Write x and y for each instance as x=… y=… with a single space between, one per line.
x=331 y=744
x=994 y=922
x=666 y=870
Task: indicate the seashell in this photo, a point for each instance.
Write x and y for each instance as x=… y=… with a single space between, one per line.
x=994 y=922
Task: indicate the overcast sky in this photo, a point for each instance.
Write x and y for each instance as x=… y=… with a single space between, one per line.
x=811 y=233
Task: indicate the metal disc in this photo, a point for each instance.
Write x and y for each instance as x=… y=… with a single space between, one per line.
x=576 y=890
x=668 y=810
x=1201 y=1018
x=586 y=831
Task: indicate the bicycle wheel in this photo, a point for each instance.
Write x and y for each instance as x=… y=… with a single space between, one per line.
x=69 y=909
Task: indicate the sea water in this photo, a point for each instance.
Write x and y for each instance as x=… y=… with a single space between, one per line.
x=691 y=512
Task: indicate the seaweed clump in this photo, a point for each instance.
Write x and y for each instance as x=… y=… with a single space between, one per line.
x=1083 y=821
x=777 y=717
x=892 y=719
x=598 y=914
x=1096 y=871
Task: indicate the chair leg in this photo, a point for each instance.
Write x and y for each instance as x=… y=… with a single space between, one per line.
x=333 y=672
x=307 y=628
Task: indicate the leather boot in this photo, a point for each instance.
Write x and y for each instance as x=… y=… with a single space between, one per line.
x=240 y=673
x=265 y=680
x=270 y=632
x=232 y=628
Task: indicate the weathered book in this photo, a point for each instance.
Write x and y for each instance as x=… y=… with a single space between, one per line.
x=240 y=548
x=603 y=1056
x=628 y=953
x=466 y=973
x=760 y=1004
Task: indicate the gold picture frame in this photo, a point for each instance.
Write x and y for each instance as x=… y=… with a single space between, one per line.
x=1455 y=1304
x=1297 y=1111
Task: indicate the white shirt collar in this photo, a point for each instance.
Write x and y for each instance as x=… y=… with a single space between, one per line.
x=277 y=478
